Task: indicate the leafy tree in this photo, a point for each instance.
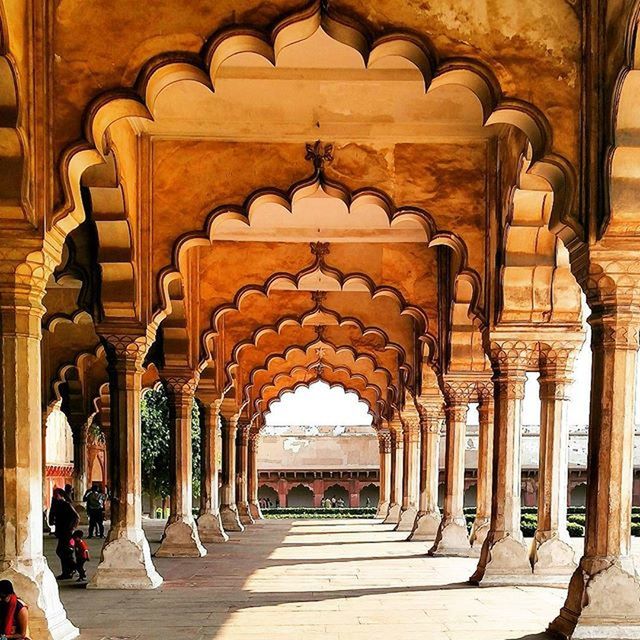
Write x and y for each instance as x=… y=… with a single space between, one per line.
x=154 y=412
x=156 y=455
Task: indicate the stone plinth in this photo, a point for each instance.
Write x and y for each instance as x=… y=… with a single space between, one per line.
x=426 y=526
x=393 y=517
x=504 y=562
x=181 y=540
x=451 y=540
x=244 y=513
x=407 y=519
x=230 y=518
x=210 y=528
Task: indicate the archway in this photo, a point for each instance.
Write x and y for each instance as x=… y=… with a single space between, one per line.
x=578 y=497
x=370 y=495
x=340 y=493
x=300 y=496
x=268 y=494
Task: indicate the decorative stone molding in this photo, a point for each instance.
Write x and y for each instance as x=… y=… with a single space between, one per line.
x=384 y=440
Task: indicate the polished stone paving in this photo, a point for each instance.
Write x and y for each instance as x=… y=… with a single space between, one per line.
x=310 y=580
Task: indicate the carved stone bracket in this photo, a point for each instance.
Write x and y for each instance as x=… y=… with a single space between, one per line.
x=384 y=440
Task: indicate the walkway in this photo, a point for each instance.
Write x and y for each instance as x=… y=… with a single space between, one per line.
x=311 y=580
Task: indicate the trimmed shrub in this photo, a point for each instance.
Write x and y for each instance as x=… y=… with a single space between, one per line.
x=575 y=530
x=635 y=529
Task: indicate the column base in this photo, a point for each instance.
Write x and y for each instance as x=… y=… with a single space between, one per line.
x=407 y=519
x=603 y=602
x=244 y=513
x=34 y=582
x=181 y=540
x=426 y=526
x=393 y=516
x=210 y=528
x=125 y=563
x=553 y=559
x=230 y=518
x=256 y=511
x=451 y=540
x=503 y=562
x=479 y=531
x=383 y=510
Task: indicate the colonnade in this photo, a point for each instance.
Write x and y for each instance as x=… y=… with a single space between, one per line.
x=602 y=594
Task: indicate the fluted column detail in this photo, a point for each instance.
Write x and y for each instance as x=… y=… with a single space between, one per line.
x=209 y=523
x=254 y=504
x=551 y=554
x=428 y=519
x=486 y=417
x=504 y=559
x=452 y=538
x=181 y=537
x=411 y=468
x=228 y=507
x=604 y=592
x=125 y=562
x=384 y=442
x=242 y=473
x=397 y=453
x=21 y=554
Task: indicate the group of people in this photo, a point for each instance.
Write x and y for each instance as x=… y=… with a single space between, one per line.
x=332 y=503
x=265 y=503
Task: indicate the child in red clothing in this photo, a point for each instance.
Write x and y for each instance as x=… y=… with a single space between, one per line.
x=82 y=554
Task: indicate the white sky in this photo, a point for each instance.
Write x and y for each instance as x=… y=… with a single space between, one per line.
x=320 y=405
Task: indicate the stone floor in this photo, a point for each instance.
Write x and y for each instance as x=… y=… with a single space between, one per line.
x=308 y=580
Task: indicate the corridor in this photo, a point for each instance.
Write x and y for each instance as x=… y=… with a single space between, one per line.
x=310 y=580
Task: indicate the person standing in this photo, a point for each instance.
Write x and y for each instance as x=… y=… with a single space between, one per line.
x=95 y=510
x=14 y=614
x=65 y=519
x=81 y=551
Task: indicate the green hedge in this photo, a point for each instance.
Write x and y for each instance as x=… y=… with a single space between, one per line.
x=320 y=512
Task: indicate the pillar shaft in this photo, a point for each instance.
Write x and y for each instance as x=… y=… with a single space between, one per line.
x=209 y=524
x=411 y=467
x=242 y=474
x=80 y=433
x=604 y=593
x=504 y=558
x=485 y=467
x=21 y=555
x=384 y=441
x=428 y=519
x=228 y=507
x=126 y=561
x=180 y=537
x=551 y=553
x=452 y=538
x=395 y=505
x=252 y=480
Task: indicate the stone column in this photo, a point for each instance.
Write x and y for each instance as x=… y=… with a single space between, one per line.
x=504 y=559
x=384 y=441
x=125 y=562
x=396 y=473
x=21 y=558
x=209 y=524
x=411 y=469
x=604 y=592
x=428 y=519
x=181 y=539
x=551 y=554
x=79 y=431
x=452 y=538
x=254 y=504
x=242 y=473
x=482 y=520
x=228 y=507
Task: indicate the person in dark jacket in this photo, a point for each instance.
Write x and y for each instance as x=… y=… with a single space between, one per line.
x=95 y=500
x=65 y=520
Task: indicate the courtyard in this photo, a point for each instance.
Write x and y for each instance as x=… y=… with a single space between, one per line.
x=309 y=579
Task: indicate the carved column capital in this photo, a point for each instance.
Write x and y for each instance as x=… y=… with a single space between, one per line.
x=384 y=441
x=411 y=424
x=178 y=384
x=125 y=349
x=431 y=416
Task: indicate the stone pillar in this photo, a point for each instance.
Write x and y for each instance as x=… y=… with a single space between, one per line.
x=482 y=520
x=209 y=524
x=411 y=469
x=228 y=507
x=254 y=503
x=396 y=474
x=604 y=592
x=504 y=559
x=452 y=538
x=21 y=558
x=551 y=554
x=125 y=562
x=79 y=431
x=181 y=539
x=242 y=473
x=384 y=441
x=428 y=519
